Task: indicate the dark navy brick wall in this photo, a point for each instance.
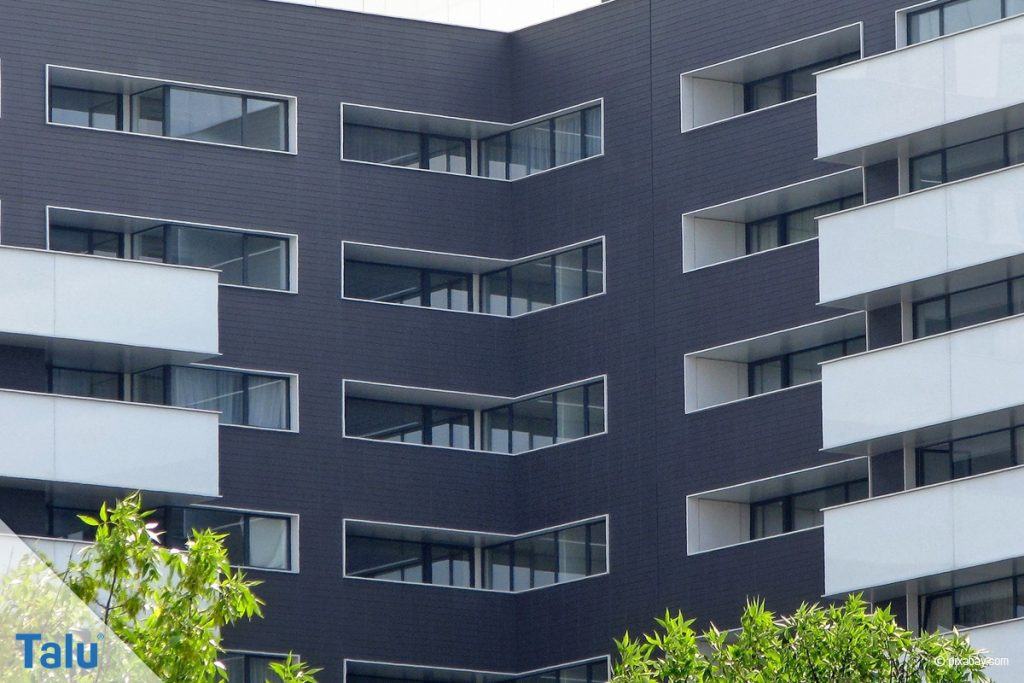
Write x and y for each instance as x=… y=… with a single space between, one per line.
x=629 y=52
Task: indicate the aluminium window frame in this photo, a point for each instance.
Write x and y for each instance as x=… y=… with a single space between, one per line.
x=787 y=80
x=510 y=546
x=425 y=561
x=424 y=290
x=584 y=275
x=919 y=453
x=246 y=235
x=246 y=533
x=788 y=525
x=246 y=375
x=128 y=123
x=120 y=380
x=941 y=7
x=925 y=606
x=945 y=167
x=119 y=116
x=426 y=423
x=947 y=298
x=554 y=417
x=552 y=136
x=424 y=148
x=782 y=223
x=249 y=656
x=91 y=232
x=786 y=370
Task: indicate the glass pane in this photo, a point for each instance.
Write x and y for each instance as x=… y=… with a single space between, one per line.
x=260 y=671
x=222 y=522
x=762 y=235
x=106 y=243
x=449 y=290
x=572 y=553
x=570 y=413
x=494 y=292
x=218 y=249
x=802 y=81
x=447 y=154
x=451 y=566
x=984 y=604
x=1014 y=7
x=934 y=465
x=450 y=428
x=938 y=613
x=497 y=572
x=926 y=171
x=268 y=543
x=384 y=559
x=206 y=116
x=569 y=283
x=595 y=408
x=801 y=226
x=65 y=523
x=148 y=386
x=234 y=665
x=85 y=108
x=496 y=427
x=266 y=124
x=963 y=14
x=71 y=240
x=767 y=519
x=87 y=383
x=543 y=552
x=381 y=146
x=1015 y=144
x=973 y=158
x=803 y=365
x=923 y=25
x=383 y=420
x=377 y=282
x=807 y=507
x=268 y=402
x=592 y=134
x=978 y=305
x=930 y=318
x=533 y=286
x=148 y=245
x=983 y=453
x=764 y=93
x=266 y=262
x=209 y=390
x=595 y=269
x=148 y=111
x=567 y=138
x=577 y=674
x=533 y=424
x=493 y=159
x=531 y=149
x=598 y=548
x=765 y=376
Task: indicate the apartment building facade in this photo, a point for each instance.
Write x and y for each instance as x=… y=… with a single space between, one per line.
x=489 y=331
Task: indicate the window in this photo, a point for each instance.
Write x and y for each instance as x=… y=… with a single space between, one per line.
x=541 y=146
x=966 y=160
x=410 y=561
x=249 y=668
x=544 y=282
x=249 y=259
x=258 y=541
x=408 y=423
x=798 y=367
x=939 y=20
x=242 y=398
x=87 y=383
x=968 y=307
x=410 y=286
x=407 y=149
x=557 y=417
x=801 y=510
x=794 y=226
x=211 y=116
x=968 y=456
x=89 y=108
x=83 y=241
x=546 y=559
x=973 y=605
x=789 y=85
x=593 y=672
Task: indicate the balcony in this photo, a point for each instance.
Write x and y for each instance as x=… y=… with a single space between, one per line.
x=63 y=440
x=867 y=254
x=925 y=95
x=1001 y=640
x=953 y=384
x=923 y=532
x=91 y=309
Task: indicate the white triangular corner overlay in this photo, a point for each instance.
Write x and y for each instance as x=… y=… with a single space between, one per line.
x=46 y=632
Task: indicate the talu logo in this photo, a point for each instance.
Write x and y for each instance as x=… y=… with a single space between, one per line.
x=54 y=655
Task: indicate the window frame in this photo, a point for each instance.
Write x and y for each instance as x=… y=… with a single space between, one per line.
x=425 y=561
x=119 y=116
x=788 y=525
x=510 y=414
x=941 y=7
x=426 y=422
x=925 y=601
x=919 y=454
x=91 y=232
x=786 y=370
x=553 y=256
x=248 y=656
x=947 y=299
x=120 y=381
x=247 y=517
x=424 y=290
x=507 y=135
x=787 y=80
x=424 y=148
x=943 y=156
x=782 y=220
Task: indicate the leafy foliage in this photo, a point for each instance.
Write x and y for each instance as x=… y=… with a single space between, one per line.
x=168 y=605
x=845 y=643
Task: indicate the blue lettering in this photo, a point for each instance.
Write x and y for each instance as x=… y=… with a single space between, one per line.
x=89 y=663
x=50 y=658
x=28 y=639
